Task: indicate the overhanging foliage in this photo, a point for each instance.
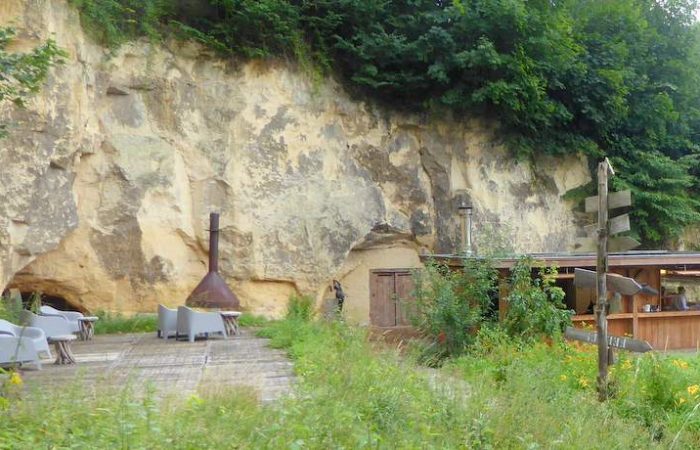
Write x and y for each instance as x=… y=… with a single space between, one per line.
x=617 y=78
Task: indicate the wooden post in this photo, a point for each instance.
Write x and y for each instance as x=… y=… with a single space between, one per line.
x=604 y=169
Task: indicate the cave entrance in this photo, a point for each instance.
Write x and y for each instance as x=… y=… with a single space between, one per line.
x=56 y=301
x=52 y=299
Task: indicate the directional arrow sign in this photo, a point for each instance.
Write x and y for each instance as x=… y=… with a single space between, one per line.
x=615 y=244
x=619 y=224
x=617 y=283
x=622 y=244
x=585 y=245
x=615 y=200
x=633 y=345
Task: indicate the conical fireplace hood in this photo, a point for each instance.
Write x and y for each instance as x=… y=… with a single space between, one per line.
x=212 y=291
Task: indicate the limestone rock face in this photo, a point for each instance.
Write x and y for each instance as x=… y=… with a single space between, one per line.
x=109 y=176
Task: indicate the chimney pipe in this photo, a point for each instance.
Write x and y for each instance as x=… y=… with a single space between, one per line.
x=214 y=242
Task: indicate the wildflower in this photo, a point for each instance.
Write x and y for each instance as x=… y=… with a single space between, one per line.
x=627 y=364
x=194 y=401
x=693 y=389
x=680 y=401
x=15 y=379
x=583 y=382
x=680 y=363
x=563 y=377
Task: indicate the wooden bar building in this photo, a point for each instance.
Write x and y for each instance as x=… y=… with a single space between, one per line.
x=663 y=328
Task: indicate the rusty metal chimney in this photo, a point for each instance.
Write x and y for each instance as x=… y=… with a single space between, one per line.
x=212 y=291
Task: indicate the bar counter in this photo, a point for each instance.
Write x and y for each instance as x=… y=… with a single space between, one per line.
x=664 y=330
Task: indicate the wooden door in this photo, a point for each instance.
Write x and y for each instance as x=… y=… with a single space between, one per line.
x=403 y=288
x=390 y=298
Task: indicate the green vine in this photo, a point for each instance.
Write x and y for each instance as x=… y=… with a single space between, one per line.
x=22 y=74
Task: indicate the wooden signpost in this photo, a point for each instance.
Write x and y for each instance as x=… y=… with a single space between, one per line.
x=600 y=279
x=633 y=345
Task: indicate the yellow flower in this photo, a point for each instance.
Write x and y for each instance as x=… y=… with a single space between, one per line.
x=693 y=389
x=583 y=382
x=680 y=363
x=15 y=379
x=680 y=401
x=563 y=377
x=627 y=364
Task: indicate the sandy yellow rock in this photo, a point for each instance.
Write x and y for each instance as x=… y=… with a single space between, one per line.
x=110 y=174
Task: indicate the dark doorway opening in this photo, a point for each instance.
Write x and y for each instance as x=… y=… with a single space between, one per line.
x=50 y=300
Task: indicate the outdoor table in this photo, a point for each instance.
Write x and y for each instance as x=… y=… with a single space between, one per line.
x=231 y=322
x=64 y=355
x=87 y=327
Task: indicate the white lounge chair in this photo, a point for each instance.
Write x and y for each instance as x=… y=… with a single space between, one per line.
x=51 y=325
x=191 y=323
x=71 y=316
x=22 y=344
x=167 y=322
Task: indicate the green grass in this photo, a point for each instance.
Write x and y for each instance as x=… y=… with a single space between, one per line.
x=252 y=320
x=111 y=323
x=354 y=393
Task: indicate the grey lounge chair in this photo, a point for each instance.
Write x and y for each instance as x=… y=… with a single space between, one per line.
x=191 y=323
x=167 y=322
x=71 y=316
x=51 y=325
x=22 y=344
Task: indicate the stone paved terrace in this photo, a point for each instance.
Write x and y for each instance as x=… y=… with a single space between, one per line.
x=172 y=367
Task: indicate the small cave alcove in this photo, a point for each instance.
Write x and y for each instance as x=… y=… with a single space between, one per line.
x=50 y=300
x=52 y=293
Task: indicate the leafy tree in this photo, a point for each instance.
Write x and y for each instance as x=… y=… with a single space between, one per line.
x=21 y=74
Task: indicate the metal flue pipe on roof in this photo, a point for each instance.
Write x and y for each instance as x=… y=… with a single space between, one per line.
x=212 y=291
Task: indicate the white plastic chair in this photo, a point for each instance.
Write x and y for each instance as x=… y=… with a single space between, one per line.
x=22 y=344
x=51 y=325
x=71 y=316
x=167 y=322
x=191 y=323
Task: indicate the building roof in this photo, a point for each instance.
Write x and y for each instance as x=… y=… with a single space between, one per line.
x=678 y=261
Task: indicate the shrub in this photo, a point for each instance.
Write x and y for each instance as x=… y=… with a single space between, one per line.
x=300 y=307
x=450 y=305
x=535 y=305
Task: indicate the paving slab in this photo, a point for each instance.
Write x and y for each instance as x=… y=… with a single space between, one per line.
x=170 y=367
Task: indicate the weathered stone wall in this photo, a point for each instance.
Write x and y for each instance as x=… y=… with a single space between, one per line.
x=109 y=176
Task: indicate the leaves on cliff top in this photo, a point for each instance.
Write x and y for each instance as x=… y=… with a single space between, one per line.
x=618 y=78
